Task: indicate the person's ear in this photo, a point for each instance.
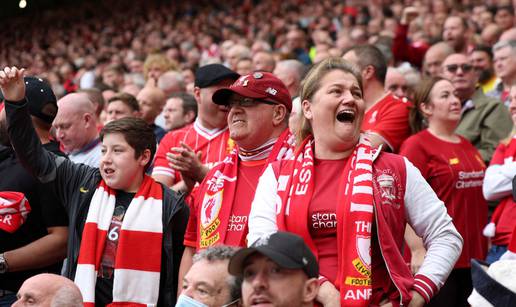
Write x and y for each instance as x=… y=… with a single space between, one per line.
x=278 y=117
x=426 y=109
x=87 y=117
x=307 y=109
x=197 y=94
x=310 y=290
x=189 y=116
x=368 y=72
x=145 y=157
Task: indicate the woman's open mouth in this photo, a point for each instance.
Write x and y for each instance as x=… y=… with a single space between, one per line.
x=346 y=116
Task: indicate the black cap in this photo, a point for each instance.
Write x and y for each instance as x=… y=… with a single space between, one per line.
x=286 y=249
x=211 y=74
x=41 y=99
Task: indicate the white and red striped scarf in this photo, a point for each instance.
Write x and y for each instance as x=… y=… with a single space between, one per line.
x=354 y=216
x=217 y=192
x=138 y=255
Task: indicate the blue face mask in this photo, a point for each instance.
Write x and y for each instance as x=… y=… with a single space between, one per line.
x=186 y=301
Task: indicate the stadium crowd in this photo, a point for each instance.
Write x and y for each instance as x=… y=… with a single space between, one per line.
x=249 y=153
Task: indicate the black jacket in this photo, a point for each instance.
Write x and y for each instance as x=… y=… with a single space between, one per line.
x=75 y=184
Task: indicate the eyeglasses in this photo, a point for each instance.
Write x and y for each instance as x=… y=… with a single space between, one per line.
x=452 y=68
x=248 y=102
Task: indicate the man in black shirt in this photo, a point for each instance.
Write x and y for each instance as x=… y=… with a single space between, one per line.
x=39 y=244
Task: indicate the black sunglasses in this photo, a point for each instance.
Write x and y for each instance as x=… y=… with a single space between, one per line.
x=454 y=67
x=248 y=102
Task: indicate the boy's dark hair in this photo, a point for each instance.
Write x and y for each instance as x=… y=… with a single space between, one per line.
x=137 y=133
x=128 y=99
x=371 y=55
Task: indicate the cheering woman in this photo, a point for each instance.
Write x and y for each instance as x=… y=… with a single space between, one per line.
x=351 y=203
x=455 y=170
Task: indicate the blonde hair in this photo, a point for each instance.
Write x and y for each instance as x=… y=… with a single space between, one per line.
x=159 y=60
x=312 y=82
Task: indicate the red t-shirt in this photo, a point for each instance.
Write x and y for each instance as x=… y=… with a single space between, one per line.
x=389 y=119
x=322 y=221
x=507 y=220
x=213 y=145
x=455 y=171
x=248 y=174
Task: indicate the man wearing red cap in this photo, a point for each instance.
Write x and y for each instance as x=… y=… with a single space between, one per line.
x=259 y=105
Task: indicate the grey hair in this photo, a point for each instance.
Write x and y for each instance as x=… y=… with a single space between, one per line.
x=169 y=78
x=222 y=253
x=67 y=296
x=503 y=44
x=295 y=67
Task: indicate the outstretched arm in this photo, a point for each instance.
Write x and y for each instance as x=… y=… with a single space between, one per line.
x=63 y=175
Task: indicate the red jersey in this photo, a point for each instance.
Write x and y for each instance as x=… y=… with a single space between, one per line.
x=248 y=174
x=322 y=221
x=455 y=171
x=389 y=118
x=214 y=145
x=507 y=220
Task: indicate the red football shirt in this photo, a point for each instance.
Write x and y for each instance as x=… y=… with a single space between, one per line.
x=389 y=119
x=455 y=171
x=507 y=221
x=322 y=223
x=214 y=145
x=247 y=179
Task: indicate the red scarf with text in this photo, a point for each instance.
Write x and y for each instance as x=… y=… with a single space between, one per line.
x=217 y=192
x=138 y=255
x=354 y=216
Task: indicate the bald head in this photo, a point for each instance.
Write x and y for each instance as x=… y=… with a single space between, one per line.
x=76 y=122
x=76 y=102
x=435 y=56
x=49 y=290
x=151 y=101
x=490 y=34
x=509 y=35
x=263 y=61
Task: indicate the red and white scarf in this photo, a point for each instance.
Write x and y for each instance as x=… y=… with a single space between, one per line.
x=218 y=191
x=354 y=216
x=138 y=255
x=14 y=209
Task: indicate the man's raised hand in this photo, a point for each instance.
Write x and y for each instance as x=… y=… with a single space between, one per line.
x=11 y=83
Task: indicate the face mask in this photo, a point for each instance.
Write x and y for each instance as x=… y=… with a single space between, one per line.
x=186 y=301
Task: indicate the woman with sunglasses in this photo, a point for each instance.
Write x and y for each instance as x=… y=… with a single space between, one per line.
x=498 y=186
x=455 y=170
x=351 y=203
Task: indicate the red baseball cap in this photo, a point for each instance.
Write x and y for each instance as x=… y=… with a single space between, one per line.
x=257 y=85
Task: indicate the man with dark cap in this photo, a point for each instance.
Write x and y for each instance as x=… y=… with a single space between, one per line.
x=259 y=106
x=32 y=240
x=279 y=270
x=197 y=147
